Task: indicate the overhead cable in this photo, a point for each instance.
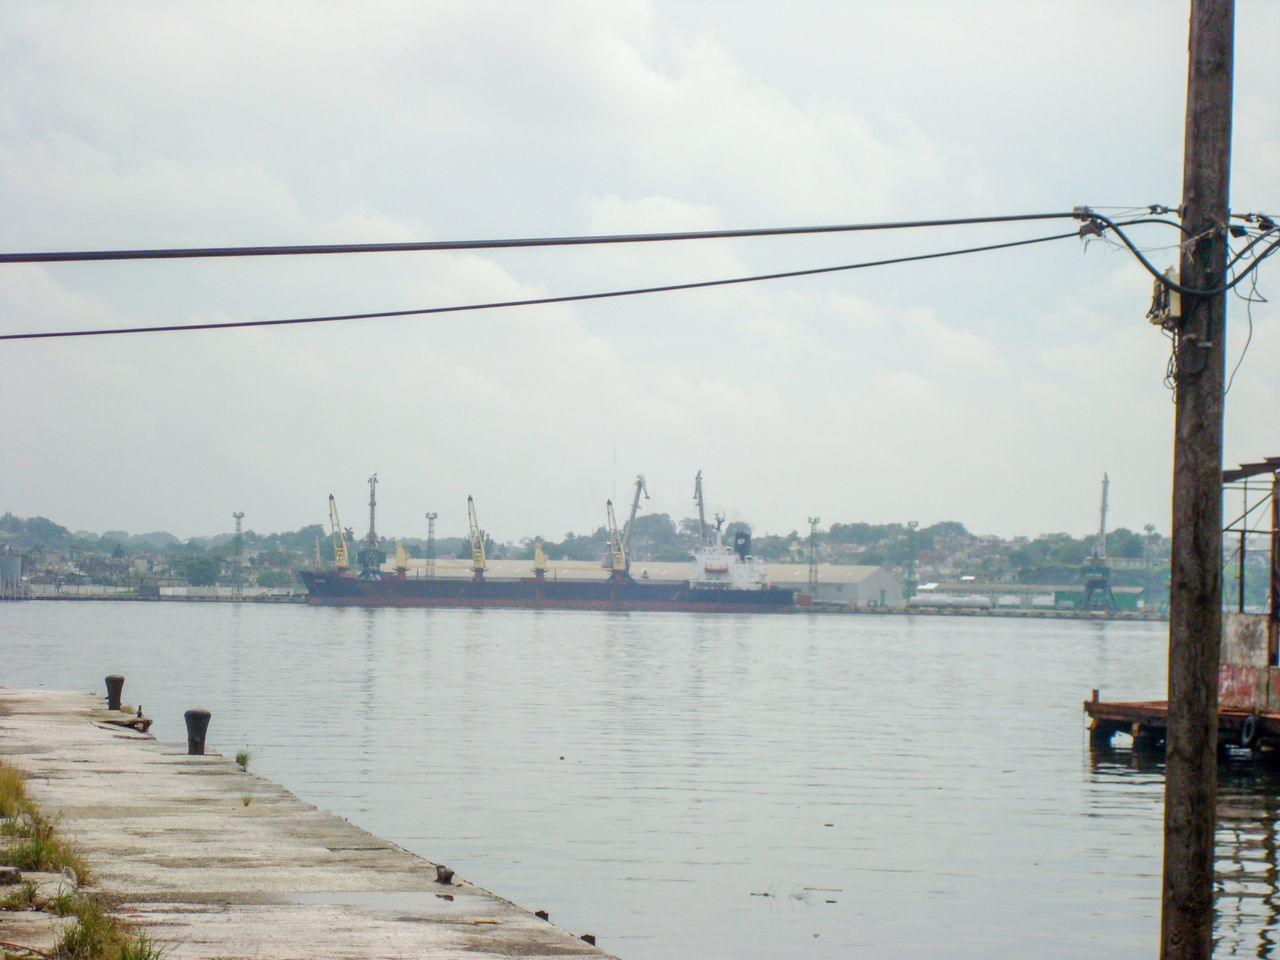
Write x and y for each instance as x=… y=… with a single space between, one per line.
x=538 y=301
x=189 y=253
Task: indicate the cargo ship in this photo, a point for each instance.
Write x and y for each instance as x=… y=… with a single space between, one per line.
x=720 y=579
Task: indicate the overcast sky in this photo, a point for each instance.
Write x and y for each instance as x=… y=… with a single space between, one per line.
x=993 y=389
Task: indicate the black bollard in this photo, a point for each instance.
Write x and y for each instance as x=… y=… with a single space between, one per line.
x=197 y=726
x=115 y=684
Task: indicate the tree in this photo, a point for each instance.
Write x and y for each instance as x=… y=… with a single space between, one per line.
x=202 y=571
x=275 y=578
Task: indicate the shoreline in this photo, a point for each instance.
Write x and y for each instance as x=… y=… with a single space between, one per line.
x=1127 y=616
x=208 y=859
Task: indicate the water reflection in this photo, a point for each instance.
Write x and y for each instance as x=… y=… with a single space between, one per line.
x=1247 y=838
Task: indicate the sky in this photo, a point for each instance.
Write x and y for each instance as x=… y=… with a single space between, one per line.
x=993 y=389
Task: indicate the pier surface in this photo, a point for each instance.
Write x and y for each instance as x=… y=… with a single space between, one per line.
x=175 y=848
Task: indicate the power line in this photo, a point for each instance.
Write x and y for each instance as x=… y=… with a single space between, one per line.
x=1087 y=214
x=539 y=301
x=189 y=253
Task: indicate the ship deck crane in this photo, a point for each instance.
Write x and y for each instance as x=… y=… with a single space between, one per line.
x=478 y=564
x=617 y=555
x=339 y=541
x=702 y=513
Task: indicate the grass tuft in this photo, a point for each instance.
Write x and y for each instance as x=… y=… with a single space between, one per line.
x=242 y=758
x=63 y=903
x=30 y=837
x=91 y=936
x=13 y=791
x=21 y=897
x=29 y=841
x=96 y=935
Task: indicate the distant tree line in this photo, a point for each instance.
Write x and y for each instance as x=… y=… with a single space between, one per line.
x=273 y=559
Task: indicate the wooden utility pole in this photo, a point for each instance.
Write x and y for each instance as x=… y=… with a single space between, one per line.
x=1195 y=602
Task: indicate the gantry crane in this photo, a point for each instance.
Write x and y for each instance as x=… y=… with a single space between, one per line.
x=478 y=564
x=339 y=540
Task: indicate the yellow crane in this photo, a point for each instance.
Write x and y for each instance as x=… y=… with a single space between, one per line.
x=339 y=540
x=478 y=564
x=616 y=550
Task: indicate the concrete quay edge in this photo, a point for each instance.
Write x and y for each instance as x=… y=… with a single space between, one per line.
x=176 y=851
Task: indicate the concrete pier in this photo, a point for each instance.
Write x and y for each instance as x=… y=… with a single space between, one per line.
x=175 y=848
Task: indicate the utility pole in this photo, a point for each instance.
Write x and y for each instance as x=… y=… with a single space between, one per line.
x=1195 y=608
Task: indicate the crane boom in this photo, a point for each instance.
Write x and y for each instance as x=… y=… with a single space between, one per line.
x=635 y=506
x=339 y=541
x=478 y=564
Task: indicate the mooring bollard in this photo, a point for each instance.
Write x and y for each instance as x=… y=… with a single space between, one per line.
x=115 y=684
x=197 y=726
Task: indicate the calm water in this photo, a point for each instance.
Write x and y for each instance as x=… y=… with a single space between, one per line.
x=702 y=786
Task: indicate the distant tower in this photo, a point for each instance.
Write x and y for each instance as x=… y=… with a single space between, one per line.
x=913 y=558
x=813 y=556
x=1096 y=572
x=237 y=574
x=431 y=544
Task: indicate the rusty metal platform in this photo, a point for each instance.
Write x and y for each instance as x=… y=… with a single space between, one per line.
x=1148 y=720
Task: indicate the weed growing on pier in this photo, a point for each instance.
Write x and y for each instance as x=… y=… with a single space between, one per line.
x=35 y=845
x=13 y=791
x=94 y=934
x=242 y=758
x=30 y=838
x=63 y=903
x=29 y=841
x=21 y=897
x=246 y=798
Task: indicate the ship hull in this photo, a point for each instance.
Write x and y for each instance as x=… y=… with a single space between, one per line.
x=340 y=590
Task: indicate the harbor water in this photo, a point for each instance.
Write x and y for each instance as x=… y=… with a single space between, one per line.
x=686 y=785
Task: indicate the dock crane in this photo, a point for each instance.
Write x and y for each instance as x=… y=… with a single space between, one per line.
x=1096 y=572
x=478 y=564
x=339 y=541
x=371 y=557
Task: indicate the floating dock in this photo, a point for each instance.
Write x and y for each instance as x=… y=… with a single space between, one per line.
x=1248 y=694
x=1148 y=721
